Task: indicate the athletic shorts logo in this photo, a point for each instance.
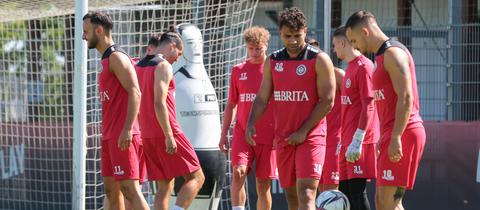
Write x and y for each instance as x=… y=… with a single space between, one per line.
x=335 y=176
x=118 y=171
x=279 y=67
x=348 y=83
x=357 y=170
x=301 y=70
x=387 y=175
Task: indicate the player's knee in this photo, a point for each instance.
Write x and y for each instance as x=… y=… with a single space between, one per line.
x=263 y=186
x=239 y=172
x=127 y=189
x=306 y=194
x=199 y=177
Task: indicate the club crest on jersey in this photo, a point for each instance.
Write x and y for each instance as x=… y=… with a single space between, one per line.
x=279 y=67
x=301 y=70
x=243 y=76
x=348 y=83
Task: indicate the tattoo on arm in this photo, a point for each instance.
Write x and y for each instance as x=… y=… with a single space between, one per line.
x=399 y=193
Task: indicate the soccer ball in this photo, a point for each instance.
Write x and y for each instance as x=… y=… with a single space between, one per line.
x=332 y=200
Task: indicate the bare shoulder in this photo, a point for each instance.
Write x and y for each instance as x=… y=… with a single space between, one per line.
x=395 y=54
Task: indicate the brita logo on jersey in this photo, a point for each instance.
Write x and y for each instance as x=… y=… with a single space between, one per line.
x=290 y=96
x=104 y=95
x=378 y=95
x=247 y=97
x=346 y=100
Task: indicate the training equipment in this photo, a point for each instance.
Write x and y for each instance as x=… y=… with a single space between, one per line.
x=50 y=127
x=332 y=200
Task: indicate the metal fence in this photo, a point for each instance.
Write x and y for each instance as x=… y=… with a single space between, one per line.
x=444 y=39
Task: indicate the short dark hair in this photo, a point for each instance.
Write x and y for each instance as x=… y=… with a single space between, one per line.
x=340 y=31
x=102 y=19
x=171 y=36
x=293 y=18
x=359 y=17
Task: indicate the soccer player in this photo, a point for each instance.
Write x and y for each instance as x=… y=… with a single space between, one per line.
x=302 y=81
x=120 y=96
x=330 y=177
x=244 y=84
x=397 y=103
x=168 y=152
x=357 y=159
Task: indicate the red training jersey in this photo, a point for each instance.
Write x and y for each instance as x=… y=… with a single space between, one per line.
x=295 y=94
x=334 y=122
x=385 y=96
x=245 y=81
x=114 y=99
x=147 y=118
x=356 y=87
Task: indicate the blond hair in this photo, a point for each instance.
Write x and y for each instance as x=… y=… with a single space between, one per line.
x=256 y=35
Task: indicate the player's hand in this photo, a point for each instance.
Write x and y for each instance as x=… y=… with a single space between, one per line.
x=250 y=133
x=296 y=138
x=223 y=144
x=170 y=145
x=354 y=150
x=395 y=149
x=125 y=139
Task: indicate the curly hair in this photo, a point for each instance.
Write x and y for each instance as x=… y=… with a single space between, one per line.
x=256 y=35
x=293 y=18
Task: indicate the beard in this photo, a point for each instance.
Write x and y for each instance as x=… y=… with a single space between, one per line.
x=92 y=43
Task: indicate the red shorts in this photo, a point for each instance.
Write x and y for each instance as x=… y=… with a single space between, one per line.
x=121 y=165
x=300 y=162
x=330 y=167
x=162 y=166
x=263 y=154
x=401 y=173
x=365 y=167
x=142 y=163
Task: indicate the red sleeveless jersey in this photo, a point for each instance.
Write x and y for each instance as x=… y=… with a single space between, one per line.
x=334 y=121
x=146 y=79
x=357 y=86
x=295 y=94
x=384 y=94
x=244 y=84
x=114 y=99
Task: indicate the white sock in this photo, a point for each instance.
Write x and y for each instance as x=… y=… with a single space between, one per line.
x=238 y=208
x=177 y=208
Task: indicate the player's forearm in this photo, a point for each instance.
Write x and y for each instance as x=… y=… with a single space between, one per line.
x=258 y=108
x=322 y=108
x=227 y=118
x=133 y=107
x=367 y=113
x=161 y=112
x=402 y=113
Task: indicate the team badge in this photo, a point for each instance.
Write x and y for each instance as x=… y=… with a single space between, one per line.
x=348 y=83
x=301 y=70
x=279 y=67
